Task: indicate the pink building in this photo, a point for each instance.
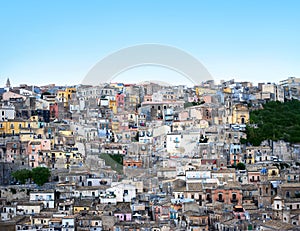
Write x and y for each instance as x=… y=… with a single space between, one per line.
x=123 y=212
x=207 y=98
x=148 y=98
x=12 y=151
x=45 y=145
x=120 y=99
x=34 y=147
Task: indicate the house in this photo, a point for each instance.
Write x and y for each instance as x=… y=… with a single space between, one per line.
x=240 y=114
x=229 y=193
x=272 y=225
x=161 y=211
x=41 y=220
x=55 y=223
x=89 y=222
x=289 y=190
x=224 y=175
x=46 y=197
x=123 y=192
x=82 y=206
x=7 y=112
x=8 y=212
x=27 y=208
x=68 y=223
x=123 y=211
x=194 y=217
x=235 y=154
x=173 y=142
x=88 y=192
x=65 y=206
x=253 y=175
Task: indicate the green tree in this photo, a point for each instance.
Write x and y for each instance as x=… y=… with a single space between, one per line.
x=40 y=175
x=22 y=175
x=240 y=166
x=276 y=121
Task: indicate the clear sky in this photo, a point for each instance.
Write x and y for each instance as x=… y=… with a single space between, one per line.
x=54 y=41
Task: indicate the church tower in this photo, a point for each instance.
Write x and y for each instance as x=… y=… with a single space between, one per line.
x=7 y=83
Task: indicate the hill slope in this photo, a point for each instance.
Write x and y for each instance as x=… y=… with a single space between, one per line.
x=276 y=121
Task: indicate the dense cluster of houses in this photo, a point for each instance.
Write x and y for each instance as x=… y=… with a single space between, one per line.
x=145 y=157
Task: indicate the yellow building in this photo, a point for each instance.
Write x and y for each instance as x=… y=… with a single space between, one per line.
x=15 y=127
x=119 y=86
x=78 y=208
x=66 y=133
x=113 y=105
x=65 y=95
x=115 y=126
x=63 y=158
x=273 y=172
x=133 y=100
x=240 y=114
x=227 y=90
x=204 y=90
x=249 y=158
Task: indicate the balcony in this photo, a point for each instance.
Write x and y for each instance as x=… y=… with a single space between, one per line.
x=220 y=200
x=234 y=201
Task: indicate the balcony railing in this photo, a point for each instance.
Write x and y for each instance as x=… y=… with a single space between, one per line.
x=254 y=180
x=234 y=200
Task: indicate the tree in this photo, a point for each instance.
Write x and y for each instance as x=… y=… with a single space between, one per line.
x=240 y=166
x=40 y=175
x=22 y=175
x=276 y=121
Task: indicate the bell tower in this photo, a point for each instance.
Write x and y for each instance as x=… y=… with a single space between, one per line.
x=7 y=85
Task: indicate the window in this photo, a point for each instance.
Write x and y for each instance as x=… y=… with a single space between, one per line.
x=260 y=191
x=220 y=197
x=233 y=196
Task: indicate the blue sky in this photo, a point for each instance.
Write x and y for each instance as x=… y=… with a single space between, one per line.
x=59 y=41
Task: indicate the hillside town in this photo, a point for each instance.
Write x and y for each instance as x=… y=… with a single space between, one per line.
x=145 y=157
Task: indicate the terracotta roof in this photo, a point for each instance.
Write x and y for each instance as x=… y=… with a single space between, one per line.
x=278 y=225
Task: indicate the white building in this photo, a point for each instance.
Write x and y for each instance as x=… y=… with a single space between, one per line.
x=123 y=192
x=46 y=197
x=7 y=112
x=68 y=223
x=173 y=142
